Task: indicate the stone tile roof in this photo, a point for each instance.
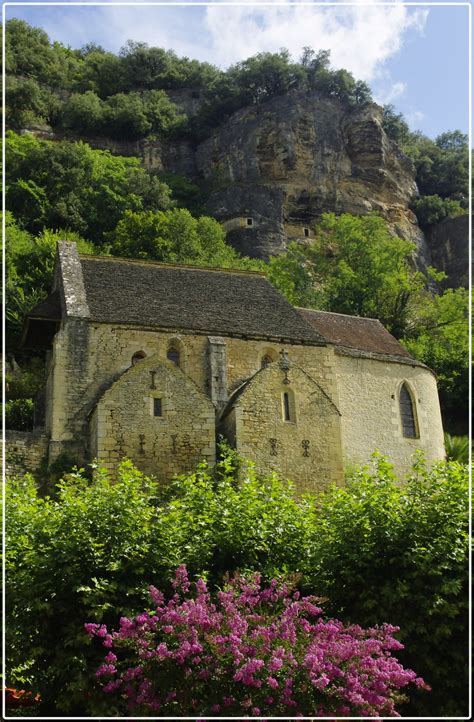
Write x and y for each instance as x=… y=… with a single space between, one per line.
x=356 y=333
x=216 y=301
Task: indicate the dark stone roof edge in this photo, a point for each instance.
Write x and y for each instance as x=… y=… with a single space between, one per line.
x=375 y=356
x=160 y=264
x=203 y=332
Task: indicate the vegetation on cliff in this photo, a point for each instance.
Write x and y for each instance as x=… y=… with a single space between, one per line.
x=130 y=95
x=441 y=167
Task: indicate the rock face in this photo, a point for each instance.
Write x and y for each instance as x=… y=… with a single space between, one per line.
x=277 y=167
x=448 y=242
x=270 y=171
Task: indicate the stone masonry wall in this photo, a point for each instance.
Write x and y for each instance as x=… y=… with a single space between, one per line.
x=125 y=424
x=305 y=449
x=86 y=361
x=25 y=452
x=368 y=401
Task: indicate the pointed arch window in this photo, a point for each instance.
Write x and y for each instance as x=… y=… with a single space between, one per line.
x=266 y=361
x=408 y=413
x=173 y=355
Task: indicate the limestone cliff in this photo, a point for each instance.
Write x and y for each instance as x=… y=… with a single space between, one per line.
x=270 y=170
x=284 y=163
x=448 y=242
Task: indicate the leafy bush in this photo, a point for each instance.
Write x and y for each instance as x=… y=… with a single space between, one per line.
x=377 y=549
x=84 y=554
x=380 y=550
x=433 y=209
x=174 y=236
x=70 y=185
x=457 y=448
x=250 y=651
x=19 y=414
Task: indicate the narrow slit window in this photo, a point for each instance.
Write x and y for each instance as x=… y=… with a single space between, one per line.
x=286 y=406
x=157 y=407
x=407 y=414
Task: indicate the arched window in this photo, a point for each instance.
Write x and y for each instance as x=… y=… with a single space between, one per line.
x=173 y=355
x=407 y=413
x=138 y=356
x=266 y=361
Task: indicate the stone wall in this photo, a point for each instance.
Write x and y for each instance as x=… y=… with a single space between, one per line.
x=125 y=422
x=370 y=413
x=25 y=452
x=306 y=447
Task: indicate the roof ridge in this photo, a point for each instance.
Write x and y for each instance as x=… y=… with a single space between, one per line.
x=161 y=264
x=336 y=313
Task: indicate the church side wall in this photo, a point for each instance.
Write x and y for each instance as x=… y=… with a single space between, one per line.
x=87 y=361
x=369 y=404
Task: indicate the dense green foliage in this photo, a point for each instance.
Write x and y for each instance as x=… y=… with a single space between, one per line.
x=19 y=414
x=433 y=209
x=457 y=448
x=440 y=339
x=333 y=274
x=71 y=186
x=174 y=236
x=441 y=168
x=29 y=270
x=97 y=92
x=379 y=551
x=123 y=115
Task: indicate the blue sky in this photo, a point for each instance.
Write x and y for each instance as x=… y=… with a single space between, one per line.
x=415 y=57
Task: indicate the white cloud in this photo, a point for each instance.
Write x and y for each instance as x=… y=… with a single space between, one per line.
x=389 y=93
x=361 y=38
x=414 y=118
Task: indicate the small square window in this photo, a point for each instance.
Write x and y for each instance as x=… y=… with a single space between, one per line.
x=157 y=407
x=250 y=221
x=306 y=232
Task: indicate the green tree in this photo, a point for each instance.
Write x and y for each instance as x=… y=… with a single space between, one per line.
x=84 y=112
x=440 y=338
x=395 y=125
x=174 y=236
x=70 y=185
x=433 y=209
x=354 y=266
x=29 y=271
x=378 y=549
x=98 y=71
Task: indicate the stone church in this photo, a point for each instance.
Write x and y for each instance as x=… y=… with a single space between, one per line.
x=154 y=362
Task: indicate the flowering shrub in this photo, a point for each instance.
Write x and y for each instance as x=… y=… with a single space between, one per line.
x=253 y=651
